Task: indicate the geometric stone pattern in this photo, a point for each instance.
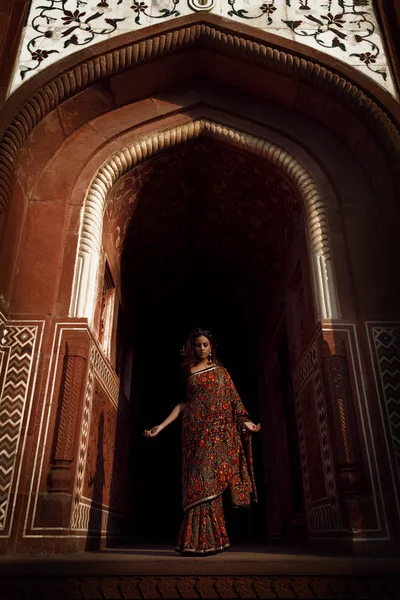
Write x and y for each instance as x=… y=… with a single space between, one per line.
x=325 y=516
x=97 y=519
x=346 y=30
x=19 y=351
x=125 y=588
x=386 y=341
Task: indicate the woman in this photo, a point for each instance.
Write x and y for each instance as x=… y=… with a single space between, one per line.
x=216 y=448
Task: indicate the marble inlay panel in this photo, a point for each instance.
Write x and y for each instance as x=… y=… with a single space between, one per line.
x=345 y=29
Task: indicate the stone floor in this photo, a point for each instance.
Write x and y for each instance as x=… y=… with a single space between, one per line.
x=140 y=571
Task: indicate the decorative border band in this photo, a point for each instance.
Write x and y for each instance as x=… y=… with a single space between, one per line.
x=384 y=344
x=19 y=353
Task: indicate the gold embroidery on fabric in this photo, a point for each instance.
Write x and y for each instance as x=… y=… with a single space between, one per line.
x=217 y=549
x=203 y=371
x=201 y=501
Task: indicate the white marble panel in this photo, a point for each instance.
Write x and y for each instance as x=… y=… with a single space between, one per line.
x=345 y=29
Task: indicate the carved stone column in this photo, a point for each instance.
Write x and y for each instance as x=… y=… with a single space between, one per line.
x=74 y=368
x=351 y=481
x=57 y=501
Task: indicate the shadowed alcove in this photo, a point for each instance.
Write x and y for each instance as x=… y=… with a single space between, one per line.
x=208 y=235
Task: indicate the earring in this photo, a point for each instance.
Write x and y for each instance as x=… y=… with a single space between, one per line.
x=210 y=358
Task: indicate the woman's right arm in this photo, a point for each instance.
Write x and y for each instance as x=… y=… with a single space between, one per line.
x=179 y=408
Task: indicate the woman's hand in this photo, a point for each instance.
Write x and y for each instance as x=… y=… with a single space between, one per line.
x=179 y=408
x=152 y=432
x=250 y=426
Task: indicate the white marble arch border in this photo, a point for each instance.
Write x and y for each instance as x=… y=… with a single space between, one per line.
x=90 y=237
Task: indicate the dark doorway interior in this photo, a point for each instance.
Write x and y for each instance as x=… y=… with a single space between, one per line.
x=159 y=334
x=208 y=243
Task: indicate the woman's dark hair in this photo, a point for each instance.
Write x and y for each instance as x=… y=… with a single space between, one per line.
x=188 y=351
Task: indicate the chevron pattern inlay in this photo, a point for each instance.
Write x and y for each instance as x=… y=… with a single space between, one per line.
x=19 y=341
x=387 y=348
x=95 y=519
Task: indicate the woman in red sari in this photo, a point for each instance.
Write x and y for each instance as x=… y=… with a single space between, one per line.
x=216 y=448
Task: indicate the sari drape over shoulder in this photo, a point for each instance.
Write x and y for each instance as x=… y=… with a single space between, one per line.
x=217 y=451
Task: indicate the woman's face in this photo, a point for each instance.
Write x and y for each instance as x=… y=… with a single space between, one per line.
x=202 y=347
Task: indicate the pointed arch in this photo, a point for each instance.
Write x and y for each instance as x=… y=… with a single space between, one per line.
x=90 y=239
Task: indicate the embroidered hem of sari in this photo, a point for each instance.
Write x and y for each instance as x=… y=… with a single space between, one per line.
x=203 y=529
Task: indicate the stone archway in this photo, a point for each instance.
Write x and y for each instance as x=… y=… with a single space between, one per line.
x=84 y=288
x=178 y=318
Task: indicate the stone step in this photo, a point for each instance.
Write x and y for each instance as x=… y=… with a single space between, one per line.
x=158 y=572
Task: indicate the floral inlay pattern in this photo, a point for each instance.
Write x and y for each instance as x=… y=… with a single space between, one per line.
x=346 y=29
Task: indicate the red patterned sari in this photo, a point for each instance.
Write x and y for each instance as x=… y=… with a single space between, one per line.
x=216 y=456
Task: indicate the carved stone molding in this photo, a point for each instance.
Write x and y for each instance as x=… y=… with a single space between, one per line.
x=203 y=586
x=210 y=35
x=84 y=287
x=323 y=513
x=352 y=484
x=60 y=478
x=338 y=388
x=84 y=437
x=72 y=384
x=100 y=369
